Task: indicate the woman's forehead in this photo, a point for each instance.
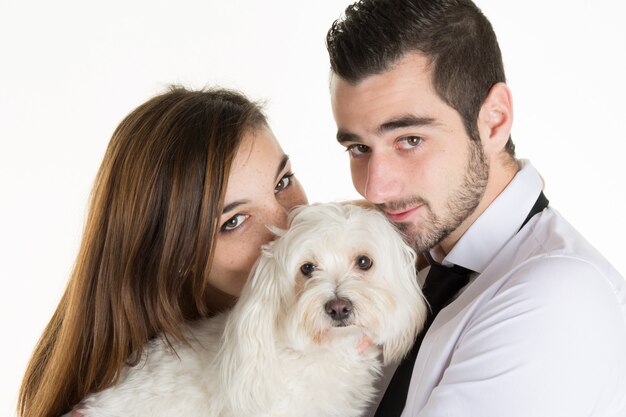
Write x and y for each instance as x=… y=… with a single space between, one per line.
x=256 y=165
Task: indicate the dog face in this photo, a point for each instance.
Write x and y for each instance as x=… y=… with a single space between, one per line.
x=339 y=267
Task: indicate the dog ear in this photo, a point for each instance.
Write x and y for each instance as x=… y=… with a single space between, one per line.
x=248 y=350
x=411 y=305
x=360 y=203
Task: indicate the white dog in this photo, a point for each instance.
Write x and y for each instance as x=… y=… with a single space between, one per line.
x=289 y=346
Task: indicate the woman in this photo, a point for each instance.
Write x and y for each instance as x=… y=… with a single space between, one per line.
x=178 y=213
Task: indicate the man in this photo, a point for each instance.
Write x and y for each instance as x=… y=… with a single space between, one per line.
x=535 y=323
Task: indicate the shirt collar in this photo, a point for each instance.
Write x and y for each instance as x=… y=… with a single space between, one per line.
x=499 y=222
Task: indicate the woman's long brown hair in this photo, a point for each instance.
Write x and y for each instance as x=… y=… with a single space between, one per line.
x=147 y=245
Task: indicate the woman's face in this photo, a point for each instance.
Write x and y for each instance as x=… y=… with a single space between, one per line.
x=261 y=191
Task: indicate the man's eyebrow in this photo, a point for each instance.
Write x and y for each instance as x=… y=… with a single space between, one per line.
x=395 y=123
x=405 y=121
x=281 y=166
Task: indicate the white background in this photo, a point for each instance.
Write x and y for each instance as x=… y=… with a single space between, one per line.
x=70 y=71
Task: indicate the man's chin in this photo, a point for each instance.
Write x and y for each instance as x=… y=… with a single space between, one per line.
x=421 y=240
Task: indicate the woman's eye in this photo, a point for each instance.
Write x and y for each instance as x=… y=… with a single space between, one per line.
x=234 y=222
x=409 y=142
x=307 y=269
x=357 y=149
x=284 y=182
x=364 y=262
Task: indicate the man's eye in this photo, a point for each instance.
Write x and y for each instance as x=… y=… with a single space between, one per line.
x=284 y=182
x=358 y=149
x=234 y=222
x=409 y=142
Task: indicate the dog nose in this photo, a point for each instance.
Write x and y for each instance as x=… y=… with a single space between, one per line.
x=339 y=308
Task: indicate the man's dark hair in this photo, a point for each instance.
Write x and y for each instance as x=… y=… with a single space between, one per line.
x=454 y=34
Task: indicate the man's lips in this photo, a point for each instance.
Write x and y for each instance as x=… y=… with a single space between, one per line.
x=400 y=216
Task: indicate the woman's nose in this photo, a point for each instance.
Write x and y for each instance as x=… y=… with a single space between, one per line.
x=278 y=216
x=282 y=206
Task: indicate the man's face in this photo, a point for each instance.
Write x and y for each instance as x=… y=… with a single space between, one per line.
x=409 y=151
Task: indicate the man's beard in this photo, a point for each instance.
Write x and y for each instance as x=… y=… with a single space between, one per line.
x=460 y=205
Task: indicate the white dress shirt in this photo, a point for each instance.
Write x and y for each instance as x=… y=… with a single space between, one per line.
x=539 y=331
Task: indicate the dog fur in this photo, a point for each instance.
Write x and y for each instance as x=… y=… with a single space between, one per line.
x=281 y=351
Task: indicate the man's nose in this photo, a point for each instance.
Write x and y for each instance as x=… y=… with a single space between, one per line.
x=383 y=179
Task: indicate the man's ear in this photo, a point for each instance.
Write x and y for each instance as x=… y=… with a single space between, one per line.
x=495 y=119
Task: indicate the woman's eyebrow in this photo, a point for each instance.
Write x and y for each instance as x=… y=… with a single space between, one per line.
x=233 y=205
x=281 y=166
x=230 y=207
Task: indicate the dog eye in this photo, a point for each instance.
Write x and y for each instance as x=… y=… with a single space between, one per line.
x=307 y=269
x=364 y=262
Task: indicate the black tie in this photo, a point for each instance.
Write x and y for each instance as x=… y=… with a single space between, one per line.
x=441 y=284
